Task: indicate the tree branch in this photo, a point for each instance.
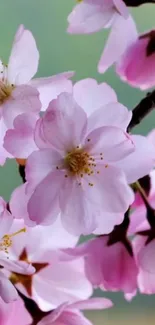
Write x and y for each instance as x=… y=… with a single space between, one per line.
x=136 y=3
x=146 y=106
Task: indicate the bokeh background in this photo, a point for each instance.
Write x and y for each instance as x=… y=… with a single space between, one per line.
x=59 y=52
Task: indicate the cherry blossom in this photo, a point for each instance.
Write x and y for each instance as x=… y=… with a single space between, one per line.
x=80 y=167
x=71 y=314
x=54 y=280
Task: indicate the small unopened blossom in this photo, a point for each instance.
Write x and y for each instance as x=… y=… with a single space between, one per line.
x=54 y=281
x=14 y=313
x=71 y=313
x=89 y=16
x=7 y=290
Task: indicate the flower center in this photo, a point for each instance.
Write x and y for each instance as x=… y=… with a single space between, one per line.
x=5 y=91
x=77 y=162
x=7 y=240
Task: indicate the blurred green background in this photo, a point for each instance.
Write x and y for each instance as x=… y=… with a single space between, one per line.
x=59 y=52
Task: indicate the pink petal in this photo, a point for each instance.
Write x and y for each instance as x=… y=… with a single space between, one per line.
x=55 y=286
x=6 y=220
x=141 y=161
x=122 y=8
x=109 y=144
x=39 y=165
x=20 y=140
x=113 y=114
x=107 y=221
x=3 y=153
x=74 y=202
x=24 y=58
x=43 y=204
x=92 y=304
x=20 y=267
x=89 y=17
x=66 y=318
x=145 y=257
x=19 y=207
x=7 y=291
x=91 y=96
x=110 y=192
x=60 y=123
x=24 y=99
x=39 y=136
x=122 y=35
x=49 y=88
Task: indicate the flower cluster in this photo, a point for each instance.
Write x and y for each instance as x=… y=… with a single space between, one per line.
x=83 y=173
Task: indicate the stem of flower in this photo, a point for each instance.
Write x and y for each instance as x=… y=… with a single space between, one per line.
x=150 y=211
x=136 y=3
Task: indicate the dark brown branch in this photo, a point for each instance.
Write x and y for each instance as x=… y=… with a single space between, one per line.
x=136 y=3
x=146 y=106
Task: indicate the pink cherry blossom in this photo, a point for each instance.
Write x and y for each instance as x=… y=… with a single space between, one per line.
x=14 y=313
x=70 y=313
x=89 y=16
x=75 y=167
x=110 y=267
x=7 y=290
x=54 y=281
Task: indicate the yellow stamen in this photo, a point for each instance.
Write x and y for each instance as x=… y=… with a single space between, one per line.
x=7 y=240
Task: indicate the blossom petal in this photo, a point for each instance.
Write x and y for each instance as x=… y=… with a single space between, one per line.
x=109 y=192
x=24 y=99
x=113 y=114
x=77 y=212
x=39 y=164
x=108 y=144
x=122 y=35
x=60 y=123
x=141 y=161
x=7 y=291
x=43 y=207
x=91 y=96
x=89 y=18
x=20 y=140
x=24 y=58
x=145 y=259
x=49 y=88
x=92 y=304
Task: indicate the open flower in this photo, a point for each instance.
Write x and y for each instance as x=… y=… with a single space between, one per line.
x=70 y=313
x=74 y=171
x=54 y=281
